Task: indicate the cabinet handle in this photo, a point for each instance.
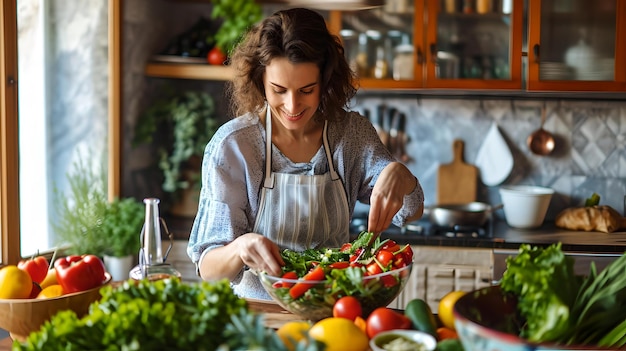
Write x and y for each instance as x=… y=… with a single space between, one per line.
x=536 y=52
x=420 y=61
x=433 y=52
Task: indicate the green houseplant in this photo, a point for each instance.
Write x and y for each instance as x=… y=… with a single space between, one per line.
x=88 y=223
x=237 y=17
x=179 y=126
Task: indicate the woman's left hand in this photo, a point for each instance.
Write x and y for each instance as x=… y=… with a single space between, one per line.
x=394 y=182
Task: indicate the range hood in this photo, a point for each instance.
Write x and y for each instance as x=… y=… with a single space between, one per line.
x=345 y=5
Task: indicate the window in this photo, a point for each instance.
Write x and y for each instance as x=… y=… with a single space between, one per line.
x=63 y=101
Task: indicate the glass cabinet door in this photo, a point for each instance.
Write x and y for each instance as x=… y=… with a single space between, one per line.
x=474 y=44
x=575 y=44
x=380 y=43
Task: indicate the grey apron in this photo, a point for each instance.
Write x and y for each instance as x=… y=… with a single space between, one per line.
x=298 y=211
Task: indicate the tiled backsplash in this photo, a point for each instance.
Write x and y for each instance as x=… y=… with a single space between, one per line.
x=590 y=153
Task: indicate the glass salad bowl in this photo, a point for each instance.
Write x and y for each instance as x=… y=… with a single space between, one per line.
x=371 y=269
x=314 y=299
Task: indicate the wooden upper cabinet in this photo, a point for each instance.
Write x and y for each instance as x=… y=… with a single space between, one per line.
x=474 y=44
x=454 y=46
x=577 y=45
x=384 y=45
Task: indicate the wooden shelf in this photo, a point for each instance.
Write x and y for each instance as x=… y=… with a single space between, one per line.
x=189 y=71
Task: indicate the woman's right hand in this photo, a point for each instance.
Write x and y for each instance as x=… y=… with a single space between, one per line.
x=259 y=253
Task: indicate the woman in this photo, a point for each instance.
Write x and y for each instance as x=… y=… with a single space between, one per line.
x=287 y=173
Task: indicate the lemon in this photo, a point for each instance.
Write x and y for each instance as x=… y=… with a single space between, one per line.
x=292 y=332
x=340 y=334
x=14 y=283
x=446 y=308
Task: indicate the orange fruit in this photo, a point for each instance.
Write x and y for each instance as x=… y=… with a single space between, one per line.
x=54 y=290
x=14 y=283
x=446 y=306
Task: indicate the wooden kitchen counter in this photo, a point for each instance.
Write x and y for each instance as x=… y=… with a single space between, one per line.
x=274 y=315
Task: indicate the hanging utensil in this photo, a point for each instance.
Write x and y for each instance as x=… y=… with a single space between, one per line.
x=541 y=142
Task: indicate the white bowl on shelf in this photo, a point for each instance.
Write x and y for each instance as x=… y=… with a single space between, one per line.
x=525 y=206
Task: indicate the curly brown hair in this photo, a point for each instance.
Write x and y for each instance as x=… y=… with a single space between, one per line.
x=301 y=36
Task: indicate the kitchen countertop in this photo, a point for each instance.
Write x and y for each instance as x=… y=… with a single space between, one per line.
x=506 y=237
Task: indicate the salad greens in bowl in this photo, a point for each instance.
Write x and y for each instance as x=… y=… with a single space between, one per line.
x=541 y=304
x=313 y=280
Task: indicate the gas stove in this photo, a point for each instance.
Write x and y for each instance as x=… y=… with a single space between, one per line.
x=424 y=227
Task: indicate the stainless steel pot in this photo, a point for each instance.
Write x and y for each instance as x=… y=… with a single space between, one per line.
x=473 y=213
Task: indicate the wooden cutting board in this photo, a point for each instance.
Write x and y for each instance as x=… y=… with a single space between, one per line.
x=456 y=181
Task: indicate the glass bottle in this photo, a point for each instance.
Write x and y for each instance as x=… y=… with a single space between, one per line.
x=152 y=264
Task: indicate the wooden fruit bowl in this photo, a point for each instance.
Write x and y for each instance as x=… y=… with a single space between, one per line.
x=20 y=317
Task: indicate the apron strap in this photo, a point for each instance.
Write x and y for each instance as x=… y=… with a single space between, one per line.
x=329 y=158
x=269 y=177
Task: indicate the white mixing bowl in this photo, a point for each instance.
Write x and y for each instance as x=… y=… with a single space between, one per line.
x=525 y=206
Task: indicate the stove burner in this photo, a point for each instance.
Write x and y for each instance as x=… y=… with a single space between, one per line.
x=426 y=228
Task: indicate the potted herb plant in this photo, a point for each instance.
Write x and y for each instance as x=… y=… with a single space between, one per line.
x=88 y=223
x=179 y=126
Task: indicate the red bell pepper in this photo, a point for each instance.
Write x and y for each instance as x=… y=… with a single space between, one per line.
x=36 y=267
x=300 y=288
x=80 y=273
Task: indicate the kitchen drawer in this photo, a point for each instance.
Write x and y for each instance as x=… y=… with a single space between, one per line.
x=437 y=271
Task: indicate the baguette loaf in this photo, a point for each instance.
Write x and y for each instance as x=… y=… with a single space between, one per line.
x=592 y=218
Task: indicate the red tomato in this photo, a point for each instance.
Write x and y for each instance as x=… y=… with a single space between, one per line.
x=346 y=247
x=373 y=268
x=347 y=307
x=383 y=318
x=216 y=56
x=289 y=275
x=408 y=253
x=339 y=265
x=385 y=257
x=388 y=280
x=300 y=288
x=390 y=245
x=36 y=267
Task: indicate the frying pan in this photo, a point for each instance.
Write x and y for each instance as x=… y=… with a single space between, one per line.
x=471 y=214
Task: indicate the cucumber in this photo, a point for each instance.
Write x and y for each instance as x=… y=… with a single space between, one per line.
x=421 y=316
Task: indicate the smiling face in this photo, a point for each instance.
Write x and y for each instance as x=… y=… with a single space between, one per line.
x=292 y=91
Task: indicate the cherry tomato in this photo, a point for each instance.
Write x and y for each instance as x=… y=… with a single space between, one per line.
x=216 y=56
x=347 y=307
x=339 y=265
x=289 y=275
x=300 y=288
x=36 y=267
x=390 y=245
x=408 y=253
x=373 y=268
x=383 y=318
x=356 y=254
x=346 y=247
x=388 y=280
x=385 y=257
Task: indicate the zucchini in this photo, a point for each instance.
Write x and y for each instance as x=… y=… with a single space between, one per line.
x=421 y=316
